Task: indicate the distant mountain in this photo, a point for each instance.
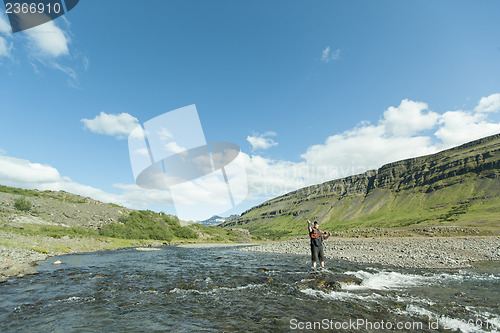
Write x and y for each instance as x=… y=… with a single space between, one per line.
x=458 y=186
x=215 y=220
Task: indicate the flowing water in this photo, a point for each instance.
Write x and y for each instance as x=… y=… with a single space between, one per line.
x=223 y=290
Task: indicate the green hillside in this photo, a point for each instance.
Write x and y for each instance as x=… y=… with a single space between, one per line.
x=58 y=214
x=458 y=186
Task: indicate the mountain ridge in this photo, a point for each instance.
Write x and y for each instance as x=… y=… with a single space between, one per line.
x=440 y=188
x=216 y=219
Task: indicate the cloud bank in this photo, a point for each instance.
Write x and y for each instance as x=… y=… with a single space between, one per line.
x=408 y=130
x=22 y=173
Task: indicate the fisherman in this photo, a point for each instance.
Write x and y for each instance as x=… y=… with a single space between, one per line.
x=317 y=238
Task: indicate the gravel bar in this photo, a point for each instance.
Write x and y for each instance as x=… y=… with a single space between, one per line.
x=407 y=252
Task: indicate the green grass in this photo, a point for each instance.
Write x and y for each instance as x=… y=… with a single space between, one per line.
x=454 y=204
x=40 y=250
x=52 y=231
x=20 y=191
x=218 y=235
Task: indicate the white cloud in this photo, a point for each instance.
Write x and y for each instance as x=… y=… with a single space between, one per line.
x=5 y=48
x=489 y=104
x=138 y=132
x=174 y=147
x=117 y=125
x=328 y=55
x=268 y=178
x=86 y=63
x=361 y=149
x=166 y=137
x=4 y=25
x=457 y=127
x=210 y=189
x=65 y=69
x=142 y=151
x=409 y=118
x=135 y=197
x=164 y=134
x=18 y=171
x=48 y=40
x=46 y=44
x=25 y=174
x=261 y=141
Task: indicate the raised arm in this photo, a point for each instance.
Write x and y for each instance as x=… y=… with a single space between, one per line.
x=309 y=228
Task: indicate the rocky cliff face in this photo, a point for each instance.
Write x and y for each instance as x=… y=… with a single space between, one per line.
x=473 y=157
x=429 y=187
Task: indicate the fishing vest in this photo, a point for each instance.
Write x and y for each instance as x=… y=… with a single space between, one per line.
x=316 y=236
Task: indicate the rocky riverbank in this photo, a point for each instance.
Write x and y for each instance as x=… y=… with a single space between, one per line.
x=408 y=252
x=19 y=253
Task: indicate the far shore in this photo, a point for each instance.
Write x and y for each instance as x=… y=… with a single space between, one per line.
x=20 y=253
x=203 y=245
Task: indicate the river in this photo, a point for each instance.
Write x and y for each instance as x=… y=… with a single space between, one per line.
x=220 y=289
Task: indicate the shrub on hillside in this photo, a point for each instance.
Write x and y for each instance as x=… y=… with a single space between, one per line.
x=179 y=232
x=185 y=232
x=23 y=204
x=172 y=221
x=138 y=225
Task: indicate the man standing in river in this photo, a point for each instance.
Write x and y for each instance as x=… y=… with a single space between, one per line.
x=317 y=238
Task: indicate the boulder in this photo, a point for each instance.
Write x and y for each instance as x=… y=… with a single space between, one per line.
x=350 y=280
x=19 y=270
x=325 y=284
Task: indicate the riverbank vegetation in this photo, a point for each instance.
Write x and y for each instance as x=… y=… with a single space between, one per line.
x=138 y=225
x=58 y=214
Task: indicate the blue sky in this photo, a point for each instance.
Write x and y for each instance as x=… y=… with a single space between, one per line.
x=310 y=91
